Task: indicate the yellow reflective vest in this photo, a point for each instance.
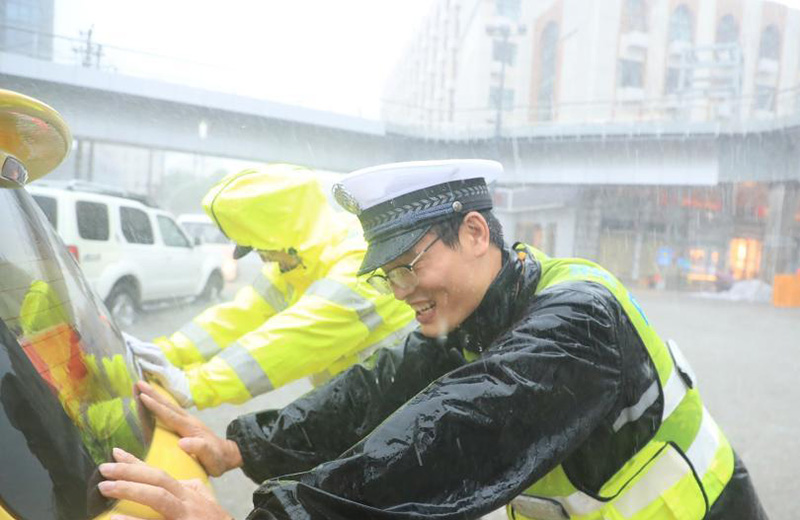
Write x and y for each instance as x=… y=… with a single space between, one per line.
x=679 y=473
x=314 y=320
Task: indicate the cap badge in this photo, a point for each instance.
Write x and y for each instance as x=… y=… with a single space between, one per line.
x=346 y=199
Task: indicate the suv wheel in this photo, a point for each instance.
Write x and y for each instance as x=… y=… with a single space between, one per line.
x=122 y=303
x=213 y=287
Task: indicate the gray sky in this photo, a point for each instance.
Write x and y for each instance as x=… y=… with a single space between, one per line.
x=327 y=54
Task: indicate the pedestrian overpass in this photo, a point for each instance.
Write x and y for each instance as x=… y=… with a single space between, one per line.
x=107 y=107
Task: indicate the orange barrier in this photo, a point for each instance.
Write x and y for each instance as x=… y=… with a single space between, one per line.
x=786 y=290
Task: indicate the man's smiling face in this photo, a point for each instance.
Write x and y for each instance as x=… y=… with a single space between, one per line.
x=450 y=284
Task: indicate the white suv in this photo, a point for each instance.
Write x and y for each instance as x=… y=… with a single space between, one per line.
x=130 y=251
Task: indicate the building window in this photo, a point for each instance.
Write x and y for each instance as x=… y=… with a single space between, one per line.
x=494 y=98
x=681 y=25
x=631 y=74
x=21 y=13
x=509 y=8
x=541 y=237
x=548 y=55
x=681 y=29
x=727 y=30
x=770 y=47
x=22 y=19
x=504 y=51
x=765 y=98
x=635 y=16
x=672 y=81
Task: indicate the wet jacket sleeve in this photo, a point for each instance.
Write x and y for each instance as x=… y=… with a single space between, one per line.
x=327 y=421
x=479 y=435
x=331 y=320
x=217 y=327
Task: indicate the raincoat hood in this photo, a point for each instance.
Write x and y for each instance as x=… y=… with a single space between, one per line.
x=276 y=208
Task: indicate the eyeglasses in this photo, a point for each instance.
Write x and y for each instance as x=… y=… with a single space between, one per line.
x=12 y=170
x=402 y=277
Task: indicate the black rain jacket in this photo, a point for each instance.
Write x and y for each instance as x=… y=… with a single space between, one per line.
x=420 y=432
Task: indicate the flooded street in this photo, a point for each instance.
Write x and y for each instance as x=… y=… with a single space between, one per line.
x=745 y=356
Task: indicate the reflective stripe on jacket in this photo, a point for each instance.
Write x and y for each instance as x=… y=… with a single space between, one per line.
x=679 y=473
x=285 y=326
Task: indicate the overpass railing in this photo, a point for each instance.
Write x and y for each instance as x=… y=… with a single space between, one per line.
x=667 y=113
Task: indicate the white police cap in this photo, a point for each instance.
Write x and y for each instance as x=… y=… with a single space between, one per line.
x=398 y=203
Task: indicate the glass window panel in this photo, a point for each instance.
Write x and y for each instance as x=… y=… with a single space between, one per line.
x=92 y=220
x=136 y=226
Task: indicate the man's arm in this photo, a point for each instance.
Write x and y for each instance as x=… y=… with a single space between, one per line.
x=481 y=434
x=327 y=421
x=218 y=326
x=331 y=320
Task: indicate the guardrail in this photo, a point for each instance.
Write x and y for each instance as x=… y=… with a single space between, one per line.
x=630 y=108
x=674 y=110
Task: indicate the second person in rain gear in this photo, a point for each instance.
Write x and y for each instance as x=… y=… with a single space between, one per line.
x=307 y=313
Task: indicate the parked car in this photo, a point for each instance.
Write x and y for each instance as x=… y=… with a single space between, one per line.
x=209 y=237
x=130 y=251
x=67 y=394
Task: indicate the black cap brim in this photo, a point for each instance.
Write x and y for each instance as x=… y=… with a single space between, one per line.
x=241 y=251
x=381 y=252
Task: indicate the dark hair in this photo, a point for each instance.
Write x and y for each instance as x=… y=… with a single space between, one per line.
x=447 y=230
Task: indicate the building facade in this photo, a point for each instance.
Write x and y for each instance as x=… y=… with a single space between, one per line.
x=513 y=69
x=26 y=27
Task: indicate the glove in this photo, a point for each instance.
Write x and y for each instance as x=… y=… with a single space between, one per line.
x=144 y=349
x=151 y=360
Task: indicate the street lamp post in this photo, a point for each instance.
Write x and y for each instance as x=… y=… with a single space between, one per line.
x=504 y=32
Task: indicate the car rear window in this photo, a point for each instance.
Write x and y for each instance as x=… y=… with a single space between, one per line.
x=136 y=226
x=92 y=220
x=207 y=233
x=171 y=233
x=66 y=378
x=49 y=207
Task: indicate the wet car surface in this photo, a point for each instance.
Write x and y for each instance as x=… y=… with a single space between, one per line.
x=67 y=393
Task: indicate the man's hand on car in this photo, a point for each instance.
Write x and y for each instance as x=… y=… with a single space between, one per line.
x=131 y=479
x=152 y=361
x=217 y=455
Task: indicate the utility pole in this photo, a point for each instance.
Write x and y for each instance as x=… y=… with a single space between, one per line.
x=498 y=121
x=89 y=52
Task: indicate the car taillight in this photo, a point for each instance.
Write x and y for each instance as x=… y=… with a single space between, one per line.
x=74 y=252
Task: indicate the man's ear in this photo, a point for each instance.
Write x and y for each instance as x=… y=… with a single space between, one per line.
x=474 y=233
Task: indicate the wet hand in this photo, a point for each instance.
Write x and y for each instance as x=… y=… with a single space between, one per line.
x=217 y=455
x=131 y=479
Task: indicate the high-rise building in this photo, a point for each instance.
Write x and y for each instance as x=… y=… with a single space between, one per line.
x=480 y=67
x=524 y=71
x=26 y=27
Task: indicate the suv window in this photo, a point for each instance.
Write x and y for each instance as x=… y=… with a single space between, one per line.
x=171 y=232
x=92 y=220
x=49 y=207
x=208 y=233
x=136 y=226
